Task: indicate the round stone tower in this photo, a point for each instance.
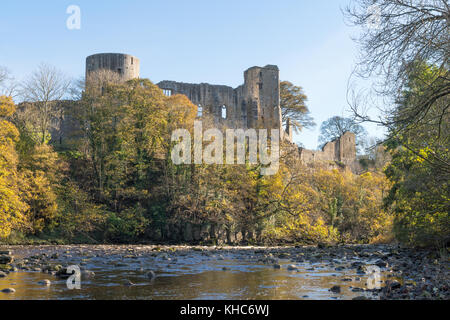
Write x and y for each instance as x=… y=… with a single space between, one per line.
x=125 y=65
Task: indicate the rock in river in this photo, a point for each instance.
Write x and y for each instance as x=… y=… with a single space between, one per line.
x=45 y=283
x=362 y=270
x=88 y=273
x=292 y=267
x=360 y=298
x=382 y=264
x=336 y=289
x=5 y=259
x=9 y=290
x=128 y=283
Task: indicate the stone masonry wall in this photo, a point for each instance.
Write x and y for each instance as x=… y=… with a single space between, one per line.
x=125 y=65
x=341 y=150
x=255 y=104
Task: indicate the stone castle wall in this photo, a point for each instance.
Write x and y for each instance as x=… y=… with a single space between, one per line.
x=125 y=65
x=255 y=104
x=342 y=151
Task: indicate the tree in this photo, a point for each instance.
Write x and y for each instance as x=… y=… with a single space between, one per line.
x=409 y=52
x=293 y=107
x=419 y=170
x=44 y=89
x=12 y=208
x=8 y=87
x=94 y=85
x=406 y=31
x=335 y=127
x=409 y=32
x=3 y=75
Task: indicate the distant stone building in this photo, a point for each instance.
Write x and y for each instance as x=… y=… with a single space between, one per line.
x=342 y=151
x=255 y=104
x=126 y=66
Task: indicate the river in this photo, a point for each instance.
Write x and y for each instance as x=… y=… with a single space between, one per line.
x=211 y=273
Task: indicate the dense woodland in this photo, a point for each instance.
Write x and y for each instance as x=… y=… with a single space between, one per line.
x=115 y=183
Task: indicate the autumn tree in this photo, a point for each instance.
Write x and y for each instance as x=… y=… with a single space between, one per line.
x=12 y=208
x=409 y=52
x=293 y=107
x=419 y=167
x=43 y=91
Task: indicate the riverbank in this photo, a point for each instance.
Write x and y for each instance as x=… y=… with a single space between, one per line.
x=156 y=272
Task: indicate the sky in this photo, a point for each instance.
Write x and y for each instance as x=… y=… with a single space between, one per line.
x=194 y=41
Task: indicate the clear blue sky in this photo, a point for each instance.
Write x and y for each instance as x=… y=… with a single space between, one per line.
x=193 y=41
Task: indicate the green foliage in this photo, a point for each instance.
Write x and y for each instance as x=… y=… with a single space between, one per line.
x=293 y=107
x=419 y=171
x=118 y=183
x=127 y=226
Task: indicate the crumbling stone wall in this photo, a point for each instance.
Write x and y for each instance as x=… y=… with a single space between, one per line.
x=255 y=104
x=341 y=151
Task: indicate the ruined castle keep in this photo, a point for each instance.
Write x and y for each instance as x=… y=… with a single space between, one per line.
x=255 y=104
x=125 y=66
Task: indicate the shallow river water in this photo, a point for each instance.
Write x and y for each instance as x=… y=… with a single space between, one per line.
x=187 y=273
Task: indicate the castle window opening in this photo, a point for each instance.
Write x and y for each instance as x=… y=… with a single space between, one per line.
x=224 y=112
x=200 y=111
x=167 y=92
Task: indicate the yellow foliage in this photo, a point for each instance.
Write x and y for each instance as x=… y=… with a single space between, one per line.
x=11 y=206
x=7 y=107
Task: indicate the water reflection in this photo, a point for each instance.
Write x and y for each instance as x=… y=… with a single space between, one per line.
x=191 y=276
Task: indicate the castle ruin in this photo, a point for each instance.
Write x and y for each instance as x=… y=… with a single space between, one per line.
x=341 y=150
x=255 y=104
x=127 y=67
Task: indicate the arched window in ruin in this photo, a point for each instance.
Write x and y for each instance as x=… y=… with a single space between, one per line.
x=167 y=92
x=224 y=112
x=200 y=111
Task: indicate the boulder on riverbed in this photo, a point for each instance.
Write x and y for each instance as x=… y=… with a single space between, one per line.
x=362 y=270
x=6 y=259
x=63 y=274
x=360 y=298
x=45 y=283
x=88 y=273
x=9 y=290
x=336 y=289
x=292 y=267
